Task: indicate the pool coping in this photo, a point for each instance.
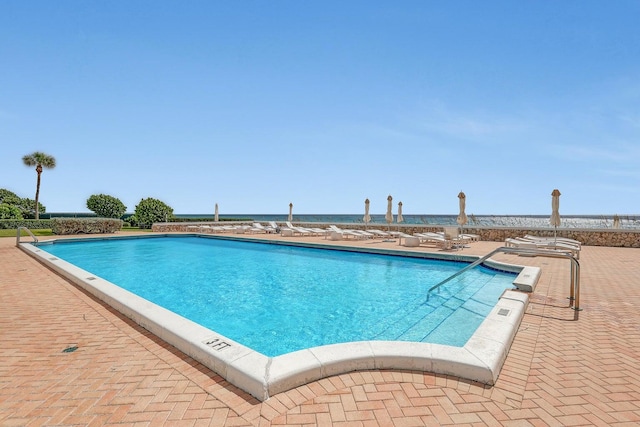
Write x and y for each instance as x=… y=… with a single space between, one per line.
x=480 y=359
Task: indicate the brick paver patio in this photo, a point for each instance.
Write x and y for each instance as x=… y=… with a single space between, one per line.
x=561 y=371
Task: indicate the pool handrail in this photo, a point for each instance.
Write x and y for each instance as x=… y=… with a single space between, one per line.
x=18 y=235
x=574 y=287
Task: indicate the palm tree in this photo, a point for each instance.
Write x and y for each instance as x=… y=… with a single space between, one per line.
x=39 y=160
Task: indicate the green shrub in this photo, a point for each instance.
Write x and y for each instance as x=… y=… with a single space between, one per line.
x=62 y=226
x=8 y=197
x=27 y=206
x=131 y=220
x=151 y=210
x=31 y=224
x=106 y=206
x=9 y=211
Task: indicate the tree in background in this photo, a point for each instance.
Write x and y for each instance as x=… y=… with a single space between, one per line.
x=8 y=197
x=106 y=206
x=39 y=160
x=26 y=206
x=8 y=211
x=151 y=210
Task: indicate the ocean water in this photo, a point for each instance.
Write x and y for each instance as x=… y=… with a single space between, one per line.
x=536 y=221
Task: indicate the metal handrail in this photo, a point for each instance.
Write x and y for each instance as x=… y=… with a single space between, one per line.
x=574 y=288
x=35 y=239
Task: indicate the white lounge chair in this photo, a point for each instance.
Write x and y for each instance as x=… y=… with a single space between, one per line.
x=436 y=239
x=564 y=240
x=345 y=233
x=313 y=231
x=400 y=235
x=318 y=231
x=449 y=239
x=293 y=230
x=470 y=237
x=259 y=228
x=364 y=234
x=520 y=242
x=275 y=226
x=380 y=233
x=452 y=235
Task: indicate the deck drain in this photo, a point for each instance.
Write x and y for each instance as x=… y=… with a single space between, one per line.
x=53 y=259
x=70 y=349
x=91 y=278
x=503 y=312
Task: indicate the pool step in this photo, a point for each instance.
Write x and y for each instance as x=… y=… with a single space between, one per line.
x=425 y=320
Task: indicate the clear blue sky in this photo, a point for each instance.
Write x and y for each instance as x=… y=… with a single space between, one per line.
x=256 y=104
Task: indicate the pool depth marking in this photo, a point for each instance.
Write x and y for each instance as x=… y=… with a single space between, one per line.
x=480 y=359
x=216 y=343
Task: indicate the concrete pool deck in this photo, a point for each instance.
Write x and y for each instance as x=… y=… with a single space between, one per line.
x=559 y=371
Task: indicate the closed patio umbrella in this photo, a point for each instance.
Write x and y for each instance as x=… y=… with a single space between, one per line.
x=555 y=212
x=616 y=221
x=399 y=217
x=290 y=218
x=462 y=216
x=215 y=215
x=389 y=215
x=366 y=218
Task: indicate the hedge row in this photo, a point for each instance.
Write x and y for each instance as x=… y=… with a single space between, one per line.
x=63 y=226
x=32 y=224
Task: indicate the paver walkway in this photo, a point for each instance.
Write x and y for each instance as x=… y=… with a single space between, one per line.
x=560 y=371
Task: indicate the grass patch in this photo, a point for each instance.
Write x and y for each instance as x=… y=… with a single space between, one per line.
x=11 y=232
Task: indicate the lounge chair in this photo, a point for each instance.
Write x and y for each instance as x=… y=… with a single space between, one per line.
x=470 y=237
x=436 y=239
x=364 y=234
x=380 y=233
x=456 y=240
x=313 y=231
x=449 y=239
x=259 y=228
x=520 y=242
x=400 y=235
x=292 y=230
x=564 y=240
x=275 y=226
x=317 y=231
x=345 y=233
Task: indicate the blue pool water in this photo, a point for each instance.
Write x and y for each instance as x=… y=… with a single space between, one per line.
x=276 y=298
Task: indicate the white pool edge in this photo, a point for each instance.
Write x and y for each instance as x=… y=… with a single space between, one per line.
x=481 y=359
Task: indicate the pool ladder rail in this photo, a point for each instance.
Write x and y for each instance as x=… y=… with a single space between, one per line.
x=19 y=233
x=574 y=286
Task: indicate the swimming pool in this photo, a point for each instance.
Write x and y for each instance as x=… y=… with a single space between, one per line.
x=277 y=299
x=315 y=355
